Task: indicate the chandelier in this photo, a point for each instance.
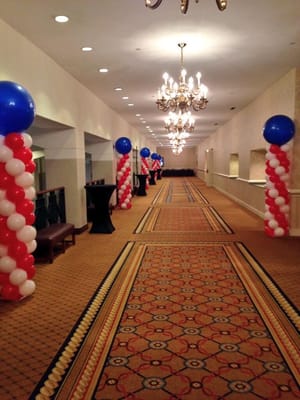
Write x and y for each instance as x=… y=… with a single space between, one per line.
x=181 y=122
x=172 y=96
x=177 y=147
x=184 y=4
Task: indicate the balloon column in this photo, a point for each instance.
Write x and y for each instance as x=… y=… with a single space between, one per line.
x=155 y=161
x=123 y=147
x=145 y=153
x=17 y=236
x=278 y=131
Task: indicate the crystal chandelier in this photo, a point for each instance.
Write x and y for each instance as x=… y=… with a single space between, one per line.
x=172 y=96
x=181 y=122
x=184 y=4
x=177 y=148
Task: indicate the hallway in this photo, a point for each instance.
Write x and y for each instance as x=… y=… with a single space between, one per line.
x=178 y=212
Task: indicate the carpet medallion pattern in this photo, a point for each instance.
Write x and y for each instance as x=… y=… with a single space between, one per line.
x=181 y=321
x=183 y=219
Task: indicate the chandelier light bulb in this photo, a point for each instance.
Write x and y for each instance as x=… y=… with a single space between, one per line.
x=182 y=96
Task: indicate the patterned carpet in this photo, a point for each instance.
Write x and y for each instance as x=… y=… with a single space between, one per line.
x=171 y=306
x=181 y=322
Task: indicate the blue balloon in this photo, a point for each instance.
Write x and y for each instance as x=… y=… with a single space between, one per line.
x=279 y=129
x=145 y=152
x=123 y=145
x=154 y=156
x=17 y=109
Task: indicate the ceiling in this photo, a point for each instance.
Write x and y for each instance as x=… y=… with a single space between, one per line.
x=240 y=51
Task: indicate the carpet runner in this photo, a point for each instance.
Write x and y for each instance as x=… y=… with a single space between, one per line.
x=181 y=321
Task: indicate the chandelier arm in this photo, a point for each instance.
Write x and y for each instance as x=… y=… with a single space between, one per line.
x=153 y=6
x=184 y=6
x=221 y=4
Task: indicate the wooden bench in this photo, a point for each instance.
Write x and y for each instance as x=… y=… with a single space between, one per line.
x=53 y=232
x=49 y=238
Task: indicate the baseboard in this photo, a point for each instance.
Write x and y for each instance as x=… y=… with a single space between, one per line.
x=78 y=231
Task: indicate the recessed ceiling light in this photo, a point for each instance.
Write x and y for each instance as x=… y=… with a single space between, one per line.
x=125 y=97
x=118 y=89
x=103 y=70
x=86 y=48
x=61 y=18
x=130 y=105
x=137 y=115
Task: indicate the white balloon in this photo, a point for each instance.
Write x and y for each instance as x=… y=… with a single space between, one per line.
x=6 y=153
x=123 y=169
x=27 y=139
x=285 y=208
x=285 y=147
x=270 y=156
x=2 y=138
x=18 y=276
x=119 y=174
x=123 y=205
x=273 y=223
x=127 y=164
x=121 y=191
x=7 y=207
x=14 y=167
x=284 y=177
x=274 y=163
x=31 y=246
x=3 y=250
x=268 y=215
x=27 y=287
x=7 y=264
x=273 y=193
x=30 y=193
x=280 y=170
x=15 y=221
x=25 y=179
x=279 y=200
x=26 y=234
x=123 y=187
x=279 y=231
x=270 y=185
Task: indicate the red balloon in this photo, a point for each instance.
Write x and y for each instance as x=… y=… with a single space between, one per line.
x=273 y=209
x=24 y=154
x=6 y=180
x=14 y=140
x=3 y=220
x=30 y=167
x=10 y=292
x=15 y=193
x=4 y=278
x=30 y=270
x=6 y=235
x=274 y=178
x=17 y=248
x=30 y=219
x=270 y=201
x=275 y=149
x=269 y=231
x=26 y=261
x=25 y=207
x=269 y=171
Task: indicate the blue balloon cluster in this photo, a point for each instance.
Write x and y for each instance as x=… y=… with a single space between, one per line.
x=123 y=145
x=145 y=152
x=17 y=109
x=279 y=130
x=155 y=156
